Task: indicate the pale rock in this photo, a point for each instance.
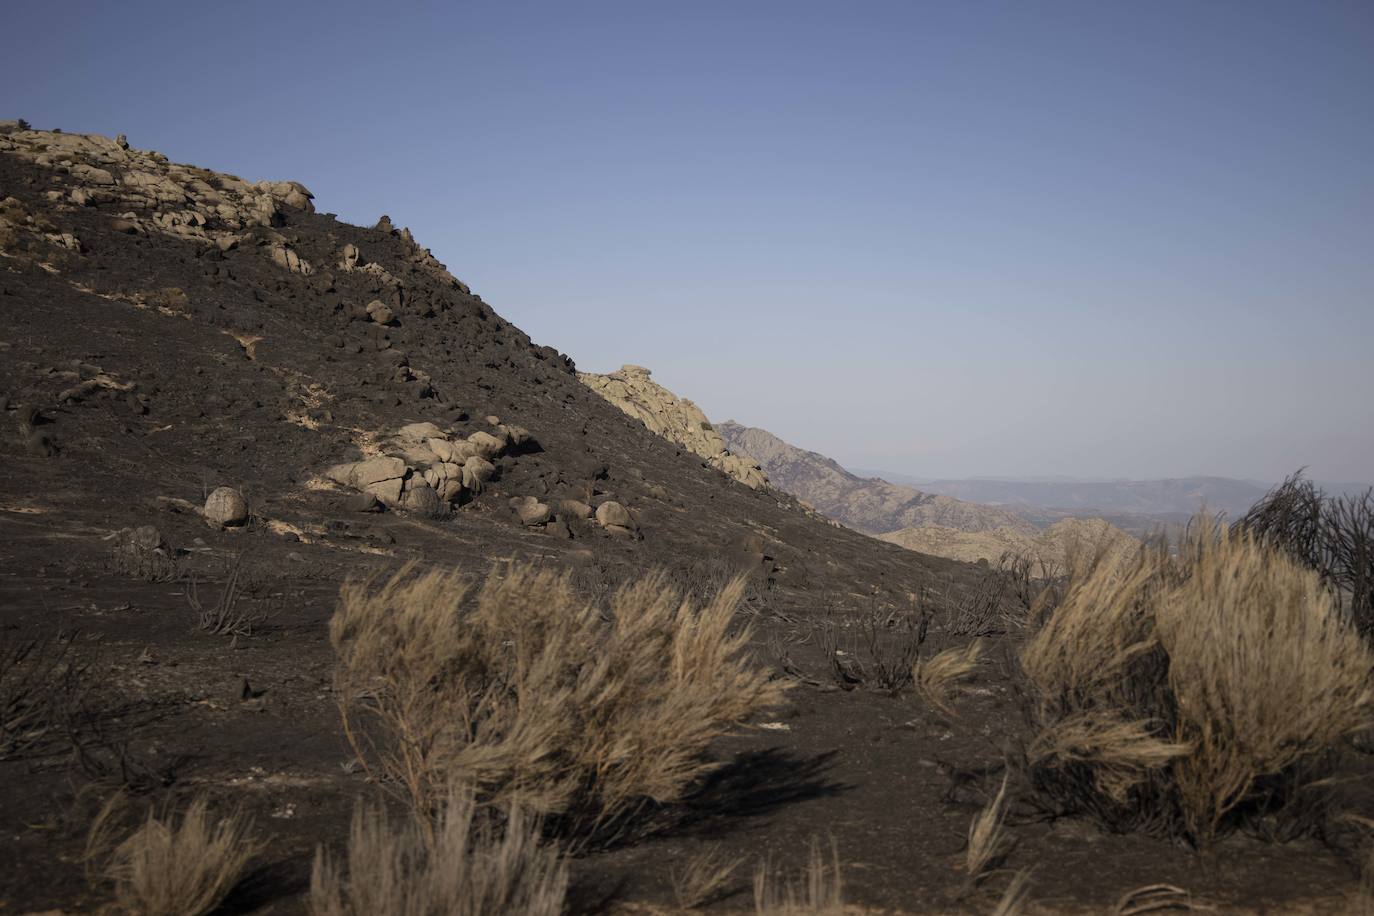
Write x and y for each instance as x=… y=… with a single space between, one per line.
x=531 y=511
x=380 y=312
x=613 y=514
x=419 y=432
x=225 y=507
x=286 y=258
x=487 y=445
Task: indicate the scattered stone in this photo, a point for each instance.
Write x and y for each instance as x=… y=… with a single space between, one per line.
x=225 y=507
x=285 y=257
x=531 y=511
x=612 y=514
x=574 y=508
x=379 y=312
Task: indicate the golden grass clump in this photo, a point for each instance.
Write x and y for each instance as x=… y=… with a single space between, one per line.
x=530 y=693
x=703 y=879
x=987 y=838
x=1184 y=691
x=461 y=867
x=181 y=868
x=821 y=890
x=937 y=677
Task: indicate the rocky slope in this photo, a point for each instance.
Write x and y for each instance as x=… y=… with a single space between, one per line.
x=166 y=325
x=866 y=504
x=1052 y=546
x=675 y=419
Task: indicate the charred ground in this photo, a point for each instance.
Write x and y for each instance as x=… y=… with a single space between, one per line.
x=140 y=369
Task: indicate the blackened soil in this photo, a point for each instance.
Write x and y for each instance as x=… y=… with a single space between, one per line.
x=222 y=368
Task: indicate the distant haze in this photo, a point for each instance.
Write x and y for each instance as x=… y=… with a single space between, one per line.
x=1085 y=239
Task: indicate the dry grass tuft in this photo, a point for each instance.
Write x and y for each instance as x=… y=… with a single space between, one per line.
x=1153 y=898
x=1013 y=899
x=821 y=890
x=532 y=694
x=987 y=836
x=459 y=868
x=183 y=868
x=703 y=879
x=1189 y=692
x=937 y=677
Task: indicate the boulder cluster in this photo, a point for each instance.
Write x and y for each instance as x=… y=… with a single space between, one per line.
x=159 y=195
x=673 y=418
x=143 y=192
x=426 y=469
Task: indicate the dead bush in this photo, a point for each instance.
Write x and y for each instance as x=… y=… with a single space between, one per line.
x=821 y=890
x=226 y=616
x=465 y=867
x=530 y=693
x=880 y=651
x=1332 y=535
x=181 y=868
x=54 y=710
x=141 y=553
x=1195 y=691
x=983 y=610
x=40 y=683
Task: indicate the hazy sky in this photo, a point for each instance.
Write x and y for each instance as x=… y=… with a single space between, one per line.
x=1097 y=238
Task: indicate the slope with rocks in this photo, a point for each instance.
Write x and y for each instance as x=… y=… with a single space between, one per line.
x=675 y=419
x=870 y=505
x=214 y=399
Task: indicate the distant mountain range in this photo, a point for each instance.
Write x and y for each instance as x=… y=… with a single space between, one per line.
x=868 y=505
x=916 y=519
x=1169 y=499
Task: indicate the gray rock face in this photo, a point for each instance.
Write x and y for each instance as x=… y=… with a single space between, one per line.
x=675 y=419
x=225 y=507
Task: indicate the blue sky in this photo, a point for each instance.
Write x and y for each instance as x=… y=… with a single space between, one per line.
x=1095 y=239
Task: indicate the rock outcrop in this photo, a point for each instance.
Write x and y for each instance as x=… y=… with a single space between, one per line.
x=144 y=193
x=675 y=419
x=425 y=468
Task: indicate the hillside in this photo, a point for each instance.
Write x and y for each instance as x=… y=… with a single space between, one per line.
x=870 y=505
x=1052 y=546
x=219 y=406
